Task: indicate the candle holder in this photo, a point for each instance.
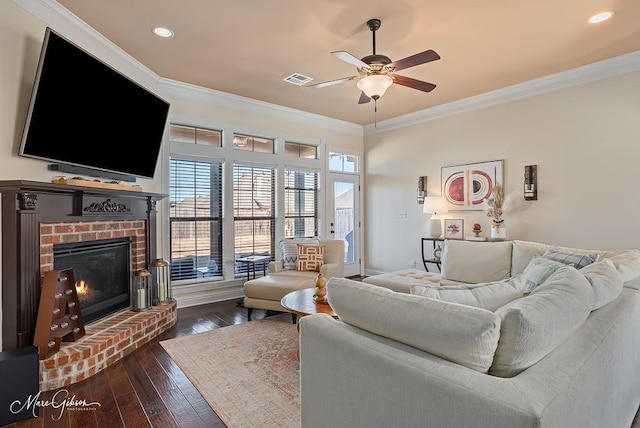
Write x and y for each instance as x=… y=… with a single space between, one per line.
x=161 y=282
x=140 y=292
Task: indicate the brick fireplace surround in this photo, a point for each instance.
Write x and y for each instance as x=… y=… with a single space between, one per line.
x=35 y=216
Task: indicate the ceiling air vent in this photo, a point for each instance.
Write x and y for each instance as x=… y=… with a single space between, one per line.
x=298 y=79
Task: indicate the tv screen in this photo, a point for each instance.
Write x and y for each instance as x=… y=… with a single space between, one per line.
x=84 y=113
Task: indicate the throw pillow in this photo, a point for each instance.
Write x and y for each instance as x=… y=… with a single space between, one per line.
x=576 y=260
x=488 y=295
x=310 y=257
x=537 y=324
x=605 y=280
x=462 y=334
x=289 y=248
x=537 y=272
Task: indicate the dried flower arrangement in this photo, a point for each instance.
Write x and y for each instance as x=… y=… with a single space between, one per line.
x=495 y=204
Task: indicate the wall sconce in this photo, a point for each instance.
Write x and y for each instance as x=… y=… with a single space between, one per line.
x=531 y=182
x=422 y=189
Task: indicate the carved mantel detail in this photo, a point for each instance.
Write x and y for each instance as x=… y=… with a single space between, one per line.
x=107 y=206
x=27 y=201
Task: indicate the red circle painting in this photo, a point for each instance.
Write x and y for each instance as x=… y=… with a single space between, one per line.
x=469 y=187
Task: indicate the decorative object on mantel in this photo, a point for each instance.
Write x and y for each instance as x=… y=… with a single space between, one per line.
x=434 y=205
x=494 y=211
x=477 y=230
x=531 y=182
x=422 y=189
x=140 y=292
x=79 y=181
x=320 y=294
x=161 y=282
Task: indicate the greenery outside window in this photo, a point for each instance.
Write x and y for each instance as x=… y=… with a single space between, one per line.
x=301 y=203
x=195 y=219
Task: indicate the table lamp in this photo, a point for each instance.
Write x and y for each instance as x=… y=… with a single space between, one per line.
x=434 y=205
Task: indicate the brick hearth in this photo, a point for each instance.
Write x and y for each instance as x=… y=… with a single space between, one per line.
x=105 y=342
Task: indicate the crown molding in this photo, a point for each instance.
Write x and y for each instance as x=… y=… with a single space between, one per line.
x=237 y=102
x=60 y=19
x=596 y=71
x=72 y=27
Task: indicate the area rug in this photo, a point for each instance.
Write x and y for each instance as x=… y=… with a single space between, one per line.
x=248 y=373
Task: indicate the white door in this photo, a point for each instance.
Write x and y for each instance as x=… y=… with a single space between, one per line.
x=344 y=217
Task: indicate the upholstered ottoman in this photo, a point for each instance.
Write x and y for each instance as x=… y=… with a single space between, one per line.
x=266 y=292
x=402 y=280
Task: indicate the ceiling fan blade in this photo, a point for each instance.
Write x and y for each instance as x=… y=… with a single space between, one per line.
x=413 y=83
x=363 y=98
x=417 y=59
x=331 y=82
x=347 y=57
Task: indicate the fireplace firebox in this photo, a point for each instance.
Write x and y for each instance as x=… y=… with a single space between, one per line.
x=102 y=270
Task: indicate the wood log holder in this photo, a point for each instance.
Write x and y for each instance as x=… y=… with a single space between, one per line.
x=59 y=315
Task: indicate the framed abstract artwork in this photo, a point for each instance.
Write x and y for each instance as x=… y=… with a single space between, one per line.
x=453 y=228
x=466 y=187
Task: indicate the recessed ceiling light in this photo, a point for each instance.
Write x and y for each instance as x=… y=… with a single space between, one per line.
x=599 y=17
x=162 y=32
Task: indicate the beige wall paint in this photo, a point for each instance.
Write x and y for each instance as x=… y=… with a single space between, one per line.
x=584 y=139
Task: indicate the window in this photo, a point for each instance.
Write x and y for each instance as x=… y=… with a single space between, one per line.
x=195 y=219
x=252 y=144
x=298 y=150
x=341 y=162
x=253 y=212
x=191 y=135
x=301 y=204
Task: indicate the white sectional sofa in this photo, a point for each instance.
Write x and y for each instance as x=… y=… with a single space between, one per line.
x=522 y=340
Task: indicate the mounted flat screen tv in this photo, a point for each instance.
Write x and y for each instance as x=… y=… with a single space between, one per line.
x=84 y=114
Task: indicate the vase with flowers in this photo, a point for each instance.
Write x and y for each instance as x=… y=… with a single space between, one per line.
x=494 y=210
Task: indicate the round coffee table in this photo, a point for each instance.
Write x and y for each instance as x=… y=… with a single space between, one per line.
x=300 y=302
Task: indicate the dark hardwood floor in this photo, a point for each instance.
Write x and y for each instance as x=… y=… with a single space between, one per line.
x=146 y=388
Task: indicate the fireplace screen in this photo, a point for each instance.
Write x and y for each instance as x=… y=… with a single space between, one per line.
x=102 y=270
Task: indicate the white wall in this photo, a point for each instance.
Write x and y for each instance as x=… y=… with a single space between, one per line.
x=584 y=139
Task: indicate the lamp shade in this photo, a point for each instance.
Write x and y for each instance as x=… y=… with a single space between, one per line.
x=374 y=85
x=434 y=205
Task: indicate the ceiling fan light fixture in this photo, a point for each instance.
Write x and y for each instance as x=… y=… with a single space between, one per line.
x=375 y=85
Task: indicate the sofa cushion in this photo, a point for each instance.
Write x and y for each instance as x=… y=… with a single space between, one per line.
x=605 y=280
x=310 y=257
x=476 y=262
x=537 y=272
x=523 y=252
x=627 y=263
x=538 y=323
x=488 y=295
x=462 y=334
x=289 y=248
x=574 y=259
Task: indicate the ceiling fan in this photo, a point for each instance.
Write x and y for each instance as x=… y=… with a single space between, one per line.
x=377 y=72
